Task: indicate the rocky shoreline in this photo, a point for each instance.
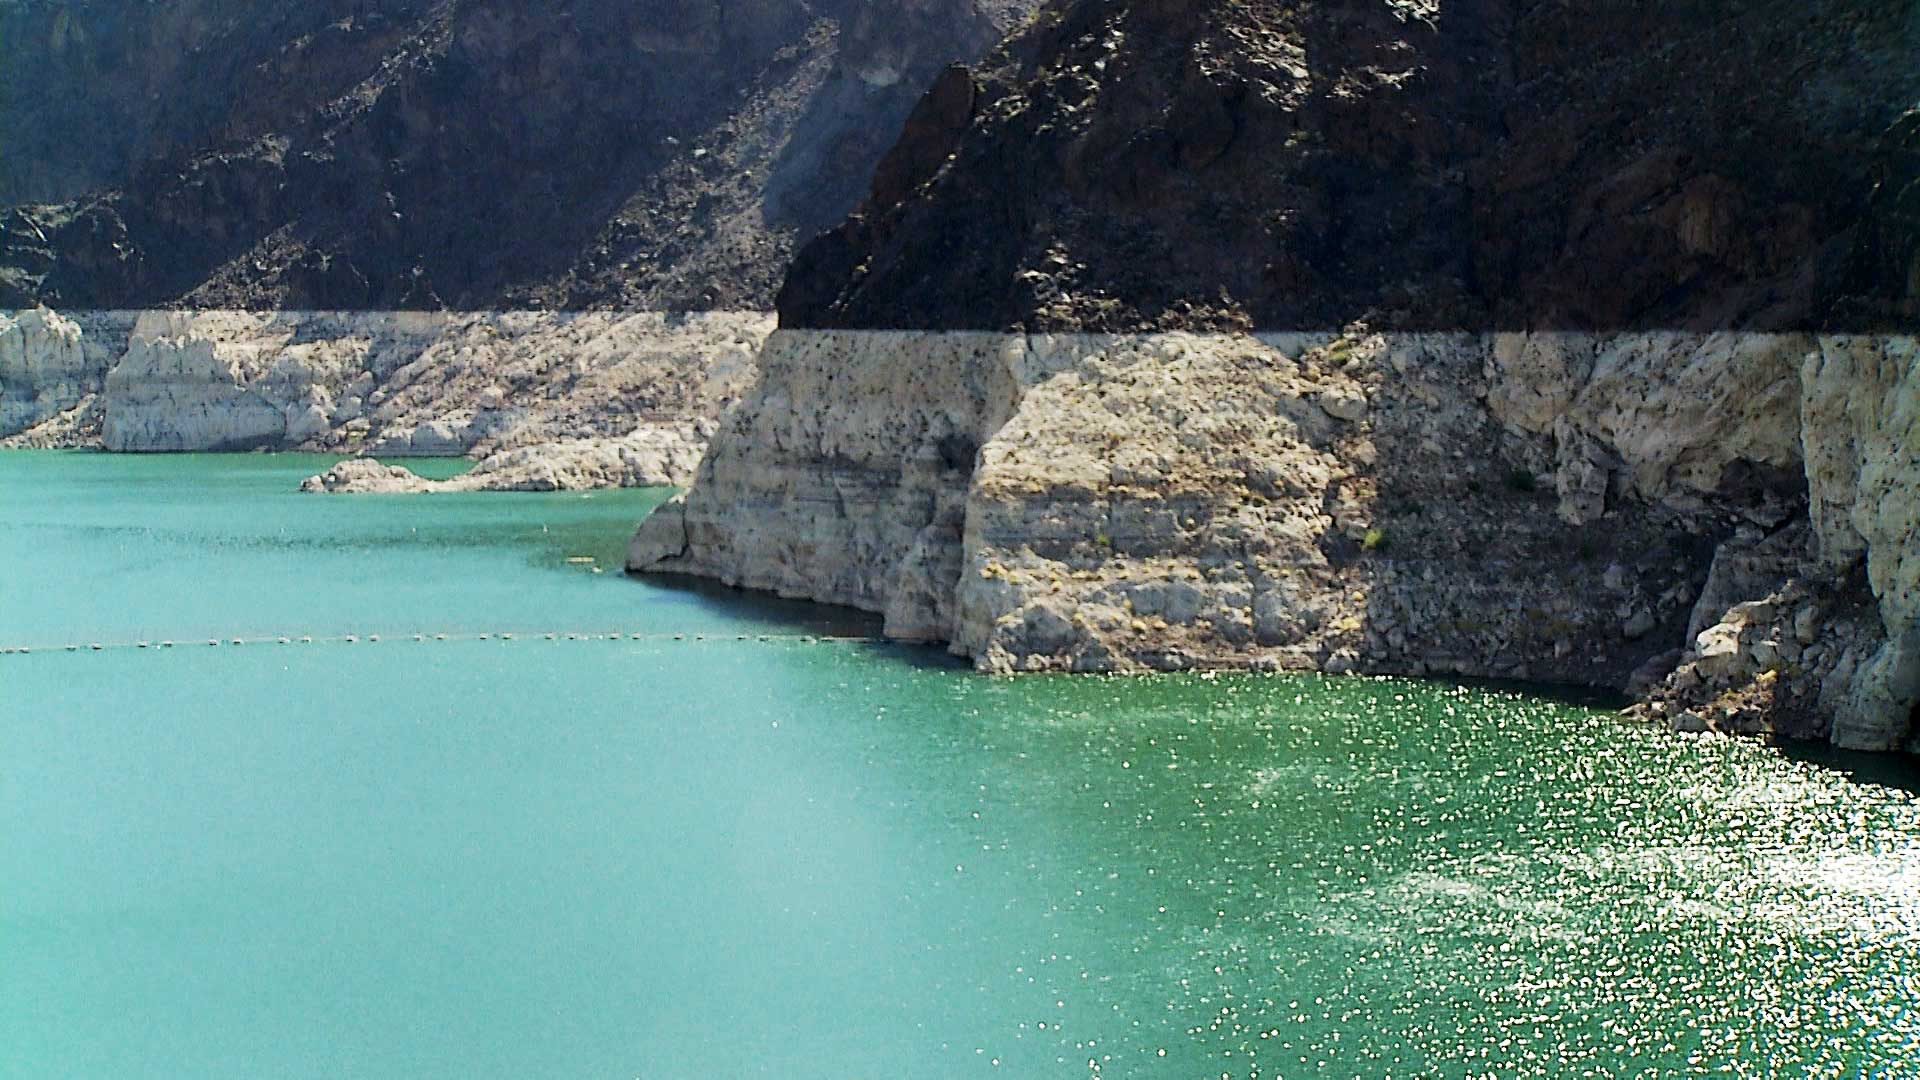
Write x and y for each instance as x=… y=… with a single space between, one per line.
x=1604 y=510
x=659 y=455
x=546 y=401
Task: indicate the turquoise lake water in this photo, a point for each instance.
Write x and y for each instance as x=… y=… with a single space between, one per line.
x=797 y=858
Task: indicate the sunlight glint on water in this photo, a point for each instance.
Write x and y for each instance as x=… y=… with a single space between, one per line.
x=720 y=857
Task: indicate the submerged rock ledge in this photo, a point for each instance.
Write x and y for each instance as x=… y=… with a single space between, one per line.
x=1722 y=523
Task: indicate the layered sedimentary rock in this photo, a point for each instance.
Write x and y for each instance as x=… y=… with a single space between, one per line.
x=49 y=368
x=418 y=384
x=1608 y=327
x=1536 y=507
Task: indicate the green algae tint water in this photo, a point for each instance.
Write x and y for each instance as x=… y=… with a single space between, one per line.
x=793 y=858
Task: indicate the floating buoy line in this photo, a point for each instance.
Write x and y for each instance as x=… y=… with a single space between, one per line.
x=423 y=638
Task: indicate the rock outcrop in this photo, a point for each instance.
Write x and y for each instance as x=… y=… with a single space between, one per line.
x=661 y=455
x=47 y=368
x=1604 y=355
x=418 y=384
x=1346 y=502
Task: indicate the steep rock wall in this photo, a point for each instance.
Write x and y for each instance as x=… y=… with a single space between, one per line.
x=1542 y=507
x=418 y=384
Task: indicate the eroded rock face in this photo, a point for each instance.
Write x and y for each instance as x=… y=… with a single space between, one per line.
x=1341 y=502
x=46 y=368
x=419 y=384
x=1687 y=420
x=229 y=381
x=1123 y=503
x=1862 y=435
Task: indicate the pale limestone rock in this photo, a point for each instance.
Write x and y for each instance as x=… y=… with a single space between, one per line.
x=1173 y=497
x=365 y=476
x=437 y=383
x=655 y=456
x=46 y=368
x=1861 y=403
x=1672 y=413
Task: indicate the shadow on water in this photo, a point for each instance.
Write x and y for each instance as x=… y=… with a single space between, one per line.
x=1901 y=772
x=800 y=616
x=1600 y=698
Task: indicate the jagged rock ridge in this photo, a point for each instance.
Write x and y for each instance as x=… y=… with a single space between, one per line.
x=1466 y=165
x=470 y=154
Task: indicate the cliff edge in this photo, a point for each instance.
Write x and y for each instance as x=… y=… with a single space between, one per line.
x=1532 y=341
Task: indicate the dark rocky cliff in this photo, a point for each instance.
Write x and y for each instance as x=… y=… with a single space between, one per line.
x=1477 y=163
x=467 y=153
x=1669 y=442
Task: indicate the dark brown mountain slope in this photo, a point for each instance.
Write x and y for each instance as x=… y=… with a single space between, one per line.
x=1457 y=164
x=466 y=153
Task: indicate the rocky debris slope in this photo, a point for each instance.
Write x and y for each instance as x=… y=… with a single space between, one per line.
x=466 y=154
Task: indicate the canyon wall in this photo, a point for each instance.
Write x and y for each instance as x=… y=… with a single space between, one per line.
x=607 y=387
x=1538 y=507
x=446 y=154
x=1606 y=371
